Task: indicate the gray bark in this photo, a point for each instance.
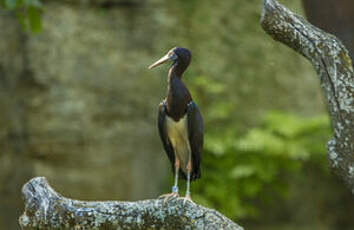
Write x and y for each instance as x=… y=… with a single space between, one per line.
x=334 y=68
x=46 y=209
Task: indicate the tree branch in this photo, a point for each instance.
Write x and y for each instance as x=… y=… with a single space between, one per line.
x=46 y=209
x=334 y=68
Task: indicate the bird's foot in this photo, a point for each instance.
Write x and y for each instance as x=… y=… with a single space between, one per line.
x=168 y=196
x=185 y=199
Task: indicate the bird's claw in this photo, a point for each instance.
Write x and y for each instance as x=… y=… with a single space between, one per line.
x=185 y=199
x=167 y=196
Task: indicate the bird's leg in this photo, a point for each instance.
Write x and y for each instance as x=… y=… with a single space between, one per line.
x=188 y=193
x=175 y=186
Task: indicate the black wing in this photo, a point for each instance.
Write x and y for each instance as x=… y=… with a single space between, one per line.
x=163 y=134
x=195 y=133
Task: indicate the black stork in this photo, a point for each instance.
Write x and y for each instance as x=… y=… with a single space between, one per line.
x=180 y=123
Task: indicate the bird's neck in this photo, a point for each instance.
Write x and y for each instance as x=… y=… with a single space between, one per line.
x=177 y=69
x=178 y=95
x=175 y=78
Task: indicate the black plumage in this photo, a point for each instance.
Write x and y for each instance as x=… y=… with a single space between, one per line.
x=195 y=134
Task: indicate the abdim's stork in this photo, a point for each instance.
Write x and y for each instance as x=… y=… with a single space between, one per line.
x=180 y=123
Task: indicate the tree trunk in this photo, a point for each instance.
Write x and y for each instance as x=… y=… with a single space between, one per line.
x=334 y=68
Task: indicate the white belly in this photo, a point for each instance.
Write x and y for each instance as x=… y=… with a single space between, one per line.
x=178 y=135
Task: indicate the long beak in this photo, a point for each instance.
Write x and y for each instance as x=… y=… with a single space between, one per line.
x=160 y=61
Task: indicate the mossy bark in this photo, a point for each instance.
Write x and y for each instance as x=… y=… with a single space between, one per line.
x=46 y=209
x=334 y=68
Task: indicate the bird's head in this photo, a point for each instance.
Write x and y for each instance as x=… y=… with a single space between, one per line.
x=179 y=55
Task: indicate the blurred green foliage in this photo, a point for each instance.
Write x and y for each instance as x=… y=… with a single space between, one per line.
x=241 y=169
x=27 y=11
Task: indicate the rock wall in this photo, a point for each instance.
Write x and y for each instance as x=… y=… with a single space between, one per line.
x=76 y=108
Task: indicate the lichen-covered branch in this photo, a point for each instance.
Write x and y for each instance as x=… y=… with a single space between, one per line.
x=335 y=71
x=46 y=209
